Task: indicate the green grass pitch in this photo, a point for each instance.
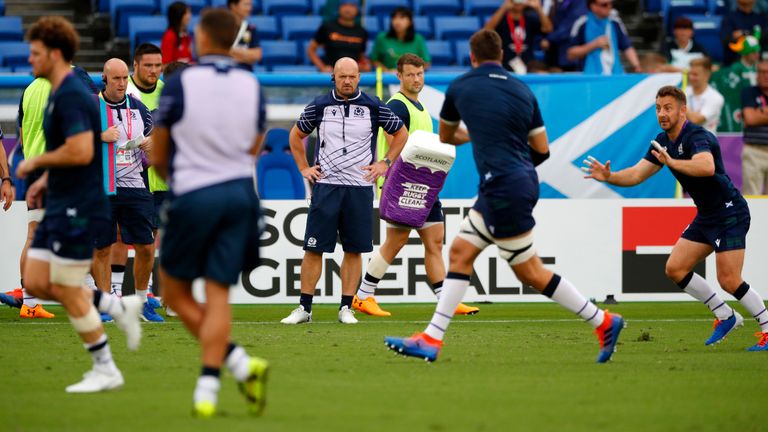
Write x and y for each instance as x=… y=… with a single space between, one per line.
x=513 y=367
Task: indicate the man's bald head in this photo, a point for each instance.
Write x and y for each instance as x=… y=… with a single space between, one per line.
x=115 y=77
x=346 y=74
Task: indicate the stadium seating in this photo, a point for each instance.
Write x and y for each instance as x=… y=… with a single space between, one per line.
x=448 y=69
x=441 y=52
x=2 y=7
x=480 y=7
x=286 y=7
x=706 y=31
x=195 y=5
x=277 y=140
x=422 y=25
x=294 y=69
x=303 y=54
x=383 y=7
x=11 y=29
x=122 y=10
x=13 y=54
x=462 y=52
x=436 y=7
x=279 y=53
x=452 y=28
x=267 y=27
x=317 y=7
x=300 y=27
x=279 y=178
x=673 y=9
x=144 y=29
x=373 y=26
x=717 y=7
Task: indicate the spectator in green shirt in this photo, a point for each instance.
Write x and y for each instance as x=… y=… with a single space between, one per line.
x=400 y=39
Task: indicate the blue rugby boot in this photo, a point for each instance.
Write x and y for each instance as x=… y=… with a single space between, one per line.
x=722 y=328
x=608 y=335
x=148 y=314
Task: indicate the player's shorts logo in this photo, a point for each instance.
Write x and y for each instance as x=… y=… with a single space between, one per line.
x=311 y=242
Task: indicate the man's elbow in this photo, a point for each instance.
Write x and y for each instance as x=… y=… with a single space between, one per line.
x=572 y=54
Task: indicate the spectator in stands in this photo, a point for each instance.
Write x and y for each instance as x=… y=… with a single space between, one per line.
x=522 y=25
x=653 y=62
x=598 y=38
x=563 y=14
x=341 y=38
x=330 y=11
x=755 y=156
x=681 y=48
x=400 y=39
x=246 y=50
x=742 y=22
x=704 y=102
x=177 y=44
x=731 y=80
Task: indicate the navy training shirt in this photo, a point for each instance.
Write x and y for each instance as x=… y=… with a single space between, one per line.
x=71 y=111
x=500 y=112
x=713 y=194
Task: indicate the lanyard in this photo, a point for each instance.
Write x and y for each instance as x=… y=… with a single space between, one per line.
x=128 y=131
x=517 y=38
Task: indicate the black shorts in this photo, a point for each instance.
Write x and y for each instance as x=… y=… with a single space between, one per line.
x=728 y=232
x=133 y=210
x=212 y=232
x=343 y=210
x=159 y=198
x=69 y=237
x=506 y=203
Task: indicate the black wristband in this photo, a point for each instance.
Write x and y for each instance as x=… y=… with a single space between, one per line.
x=537 y=158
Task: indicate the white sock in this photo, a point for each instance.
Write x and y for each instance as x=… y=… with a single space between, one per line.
x=108 y=303
x=377 y=268
x=454 y=288
x=207 y=389
x=142 y=295
x=149 y=284
x=117 y=283
x=698 y=288
x=29 y=300
x=754 y=304
x=90 y=282
x=567 y=296
x=238 y=363
x=101 y=354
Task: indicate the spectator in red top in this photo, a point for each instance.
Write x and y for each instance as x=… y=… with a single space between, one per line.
x=177 y=44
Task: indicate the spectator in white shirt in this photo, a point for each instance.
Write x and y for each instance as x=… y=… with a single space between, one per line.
x=704 y=102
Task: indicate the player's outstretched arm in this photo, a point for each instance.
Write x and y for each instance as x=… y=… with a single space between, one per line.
x=449 y=133
x=627 y=177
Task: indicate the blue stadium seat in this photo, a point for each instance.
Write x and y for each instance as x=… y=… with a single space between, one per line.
x=436 y=7
x=462 y=52
x=717 y=7
x=145 y=28
x=23 y=69
x=317 y=7
x=448 y=69
x=300 y=27
x=674 y=9
x=373 y=26
x=279 y=178
x=303 y=53
x=294 y=69
x=383 y=7
x=706 y=31
x=11 y=29
x=285 y=7
x=652 y=6
x=2 y=7
x=422 y=25
x=223 y=3
x=480 y=7
x=452 y=28
x=122 y=10
x=195 y=5
x=266 y=26
x=279 y=53
x=277 y=138
x=13 y=54
x=441 y=52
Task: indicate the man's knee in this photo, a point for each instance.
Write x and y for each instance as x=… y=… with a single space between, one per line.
x=145 y=251
x=674 y=271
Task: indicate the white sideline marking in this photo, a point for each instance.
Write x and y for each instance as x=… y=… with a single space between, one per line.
x=467 y=321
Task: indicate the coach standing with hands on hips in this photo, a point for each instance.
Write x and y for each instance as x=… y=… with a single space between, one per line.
x=347 y=122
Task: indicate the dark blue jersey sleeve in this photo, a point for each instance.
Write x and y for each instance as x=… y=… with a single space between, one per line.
x=537 y=121
x=449 y=113
x=388 y=121
x=700 y=143
x=400 y=110
x=171 y=106
x=621 y=36
x=308 y=119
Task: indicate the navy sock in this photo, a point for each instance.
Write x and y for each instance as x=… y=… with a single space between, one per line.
x=306 y=301
x=211 y=371
x=116 y=268
x=96 y=298
x=346 y=301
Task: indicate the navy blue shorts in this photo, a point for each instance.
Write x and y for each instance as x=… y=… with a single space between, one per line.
x=159 y=198
x=213 y=233
x=506 y=203
x=69 y=237
x=346 y=210
x=436 y=212
x=725 y=233
x=133 y=210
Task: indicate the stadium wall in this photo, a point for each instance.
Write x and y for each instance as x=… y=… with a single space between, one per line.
x=604 y=246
